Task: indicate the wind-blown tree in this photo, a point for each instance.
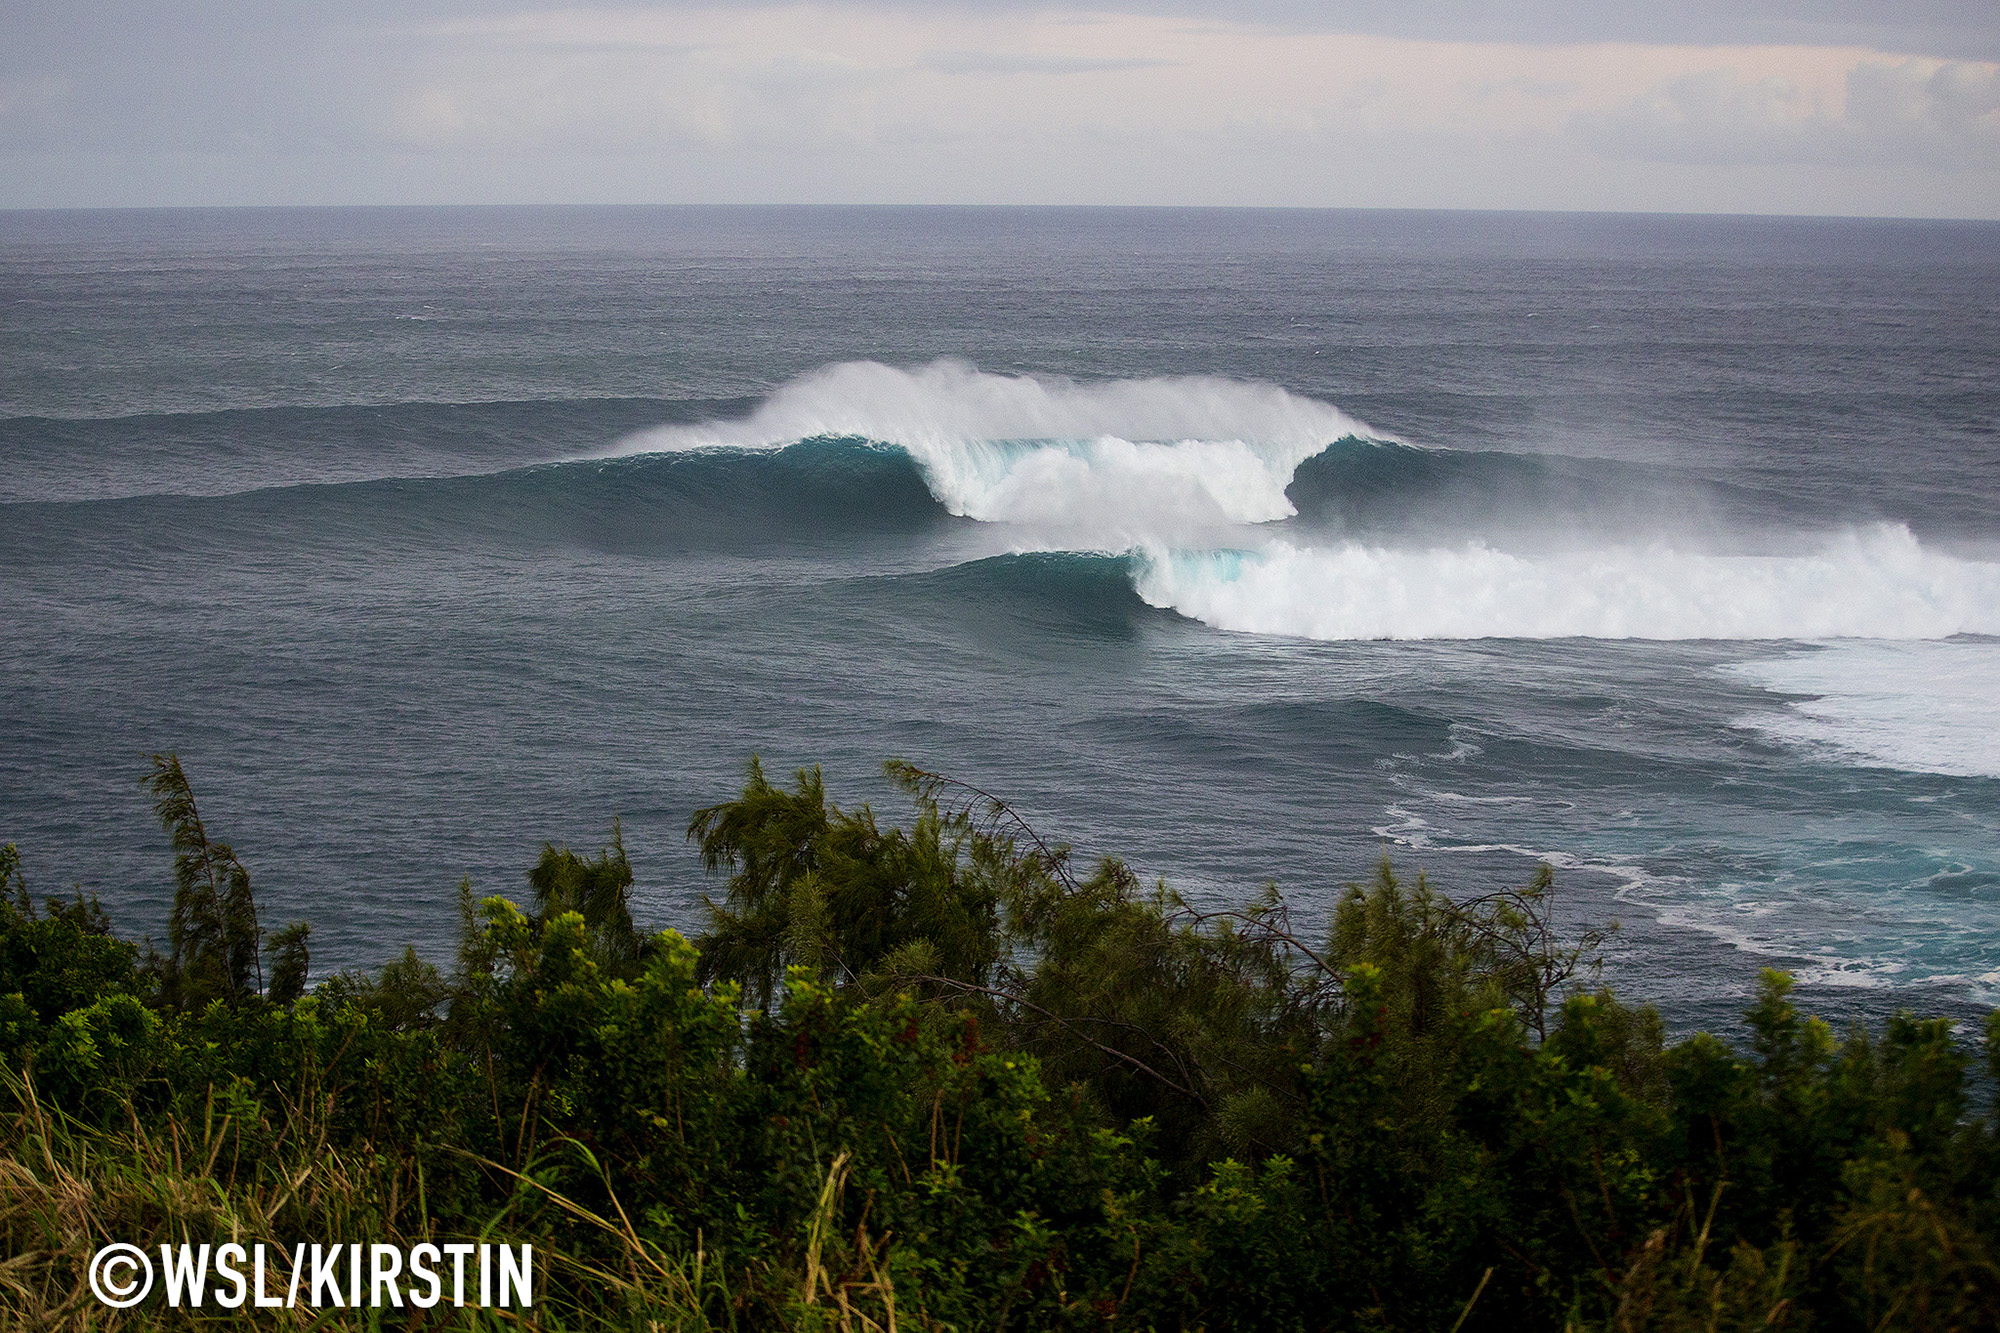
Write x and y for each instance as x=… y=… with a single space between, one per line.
x=212 y=932
x=599 y=890
x=581 y=913
x=214 y=940
x=814 y=886
x=290 y=963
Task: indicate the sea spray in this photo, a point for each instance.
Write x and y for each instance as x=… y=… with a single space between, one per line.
x=949 y=402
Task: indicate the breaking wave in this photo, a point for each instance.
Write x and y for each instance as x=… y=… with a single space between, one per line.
x=1879 y=584
x=1101 y=465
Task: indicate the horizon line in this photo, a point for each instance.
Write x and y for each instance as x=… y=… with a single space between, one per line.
x=942 y=207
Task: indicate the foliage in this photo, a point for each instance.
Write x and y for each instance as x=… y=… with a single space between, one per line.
x=935 y=1078
x=291 y=963
x=825 y=889
x=213 y=929
x=599 y=890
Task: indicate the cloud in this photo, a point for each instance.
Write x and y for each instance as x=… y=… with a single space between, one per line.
x=897 y=101
x=1716 y=116
x=1947 y=112
x=1942 y=114
x=1003 y=63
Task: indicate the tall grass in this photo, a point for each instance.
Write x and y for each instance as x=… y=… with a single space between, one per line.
x=68 y=1188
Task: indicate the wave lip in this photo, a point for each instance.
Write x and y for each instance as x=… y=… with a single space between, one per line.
x=1106 y=465
x=950 y=402
x=1876 y=584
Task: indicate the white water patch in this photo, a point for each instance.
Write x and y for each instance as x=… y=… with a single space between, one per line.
x=1110 y=493
x=1106 y=465
x=1919 y=707
x=1880 y=584
x=1828 y=921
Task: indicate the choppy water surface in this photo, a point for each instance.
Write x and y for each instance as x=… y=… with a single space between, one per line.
x=1246 y=545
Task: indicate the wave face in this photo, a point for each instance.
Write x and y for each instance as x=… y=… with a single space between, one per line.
x=819 y=495
x=1880 y=584
x=245 y=449
x=1104 y=465
x=1357 y=487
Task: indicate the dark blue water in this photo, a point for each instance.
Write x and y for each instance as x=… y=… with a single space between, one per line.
x=1247 y=545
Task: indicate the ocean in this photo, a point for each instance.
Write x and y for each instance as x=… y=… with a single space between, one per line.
x=1250 y=546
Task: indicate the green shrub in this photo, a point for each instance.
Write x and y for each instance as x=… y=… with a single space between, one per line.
x=935 y=1078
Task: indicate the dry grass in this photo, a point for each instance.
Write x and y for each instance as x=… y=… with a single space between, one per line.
x=68 y=1188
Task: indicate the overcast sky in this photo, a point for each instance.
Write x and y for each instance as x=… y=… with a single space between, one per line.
x=1842 y=106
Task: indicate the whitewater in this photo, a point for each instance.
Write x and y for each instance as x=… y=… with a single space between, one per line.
x=1175 y=470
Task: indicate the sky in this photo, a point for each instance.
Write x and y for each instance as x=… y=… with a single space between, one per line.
x=1850 y=107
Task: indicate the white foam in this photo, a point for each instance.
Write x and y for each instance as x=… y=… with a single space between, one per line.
x=1920 y=707
x=1104 y=465
x=1839 y=948
x=1880 y=583
x=1175 y=467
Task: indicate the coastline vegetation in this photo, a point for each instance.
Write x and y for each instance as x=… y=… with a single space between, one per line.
x=937 y=1076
